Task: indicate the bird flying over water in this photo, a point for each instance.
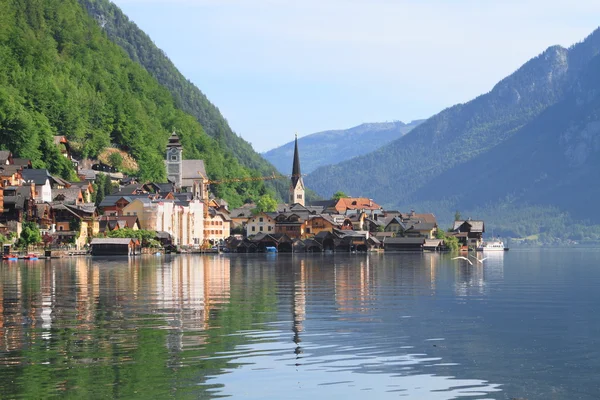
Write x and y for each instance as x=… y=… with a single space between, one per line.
x=463 y=258
x=479 y=260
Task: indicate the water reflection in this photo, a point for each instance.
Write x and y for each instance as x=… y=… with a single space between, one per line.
x=412 y=325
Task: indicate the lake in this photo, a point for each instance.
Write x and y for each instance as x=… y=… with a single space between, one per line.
x=521 y=324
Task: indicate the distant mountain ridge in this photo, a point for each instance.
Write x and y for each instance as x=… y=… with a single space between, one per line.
x=334 y=146
x=532 y=141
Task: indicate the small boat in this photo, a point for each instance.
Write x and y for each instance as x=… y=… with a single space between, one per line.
x=494 y=245
x=10 y=257
x=271 y=249
x=31 y=257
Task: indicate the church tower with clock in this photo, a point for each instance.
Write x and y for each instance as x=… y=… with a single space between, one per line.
x=174 y=160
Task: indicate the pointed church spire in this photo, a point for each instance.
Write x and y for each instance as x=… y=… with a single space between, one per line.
x=297 y=185
x=296 y=166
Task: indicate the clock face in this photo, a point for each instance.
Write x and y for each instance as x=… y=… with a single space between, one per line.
x=173 y=155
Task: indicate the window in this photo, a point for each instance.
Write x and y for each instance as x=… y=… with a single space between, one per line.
x=260 y=229
x=173 y=158
x=253 y=229
x=307 y=230
x=260 y=219
x=60 y=228
x=299 y=196
x=270 y=228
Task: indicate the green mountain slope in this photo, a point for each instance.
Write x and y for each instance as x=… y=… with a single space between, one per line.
x=188 y=97
x=501 y=148
x=60 y=74
x=332 y=147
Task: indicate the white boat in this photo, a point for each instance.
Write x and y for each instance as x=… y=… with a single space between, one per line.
x=494 y=245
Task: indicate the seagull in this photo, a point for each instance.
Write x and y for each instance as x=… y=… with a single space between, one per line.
x=480 y=260
x=463 y=258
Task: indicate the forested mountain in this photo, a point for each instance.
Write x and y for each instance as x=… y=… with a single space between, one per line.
x=187 y=96
x=332 y=147
x=60 y=74
x=530 y=148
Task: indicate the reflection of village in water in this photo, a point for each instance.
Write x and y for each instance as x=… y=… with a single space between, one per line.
x=34 y=299
x=103 y=302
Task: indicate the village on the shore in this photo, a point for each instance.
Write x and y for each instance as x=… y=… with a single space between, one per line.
x=184 y=217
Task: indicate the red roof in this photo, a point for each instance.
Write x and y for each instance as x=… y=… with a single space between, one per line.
x=356 y=203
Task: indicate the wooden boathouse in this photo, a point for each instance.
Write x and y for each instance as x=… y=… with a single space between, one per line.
x=115 y=247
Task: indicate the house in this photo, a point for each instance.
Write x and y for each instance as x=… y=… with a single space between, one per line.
x=183 y=220
x=22 y=163
x=71 y=195
x=354 y=203
x=434 y=245
x=63 y=145
x=290 y=224
x=474 y=230
x=86 y=189
x=420 y=229
x=282 y=242
x=316 y=224
x=109 y=223
x=403 y=244
x=42 y=180
x=261 y=222
x=114 y=204
x=6 y=157
x=217 y=226
x=73 y=225
x=395 y=225
x=114 y=247
x=240 y=216
x=10 y=175
x=18 y=207
x=88 y=175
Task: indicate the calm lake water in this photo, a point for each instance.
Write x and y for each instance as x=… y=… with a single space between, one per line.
x=523 y=324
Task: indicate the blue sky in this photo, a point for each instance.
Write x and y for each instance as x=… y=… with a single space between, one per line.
x=278 y=67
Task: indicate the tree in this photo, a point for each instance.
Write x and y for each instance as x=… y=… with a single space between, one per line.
x=450 y=241
x=265 y=203
x=116 y=160
x=47 y=239
x=29 y=235
x=338 y=195
x=457 y=215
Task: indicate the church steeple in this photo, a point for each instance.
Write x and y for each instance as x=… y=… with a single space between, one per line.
x=174 y=160
x=297 y=184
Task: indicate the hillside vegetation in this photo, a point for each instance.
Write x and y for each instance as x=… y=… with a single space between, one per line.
x=141 y=49
x=60 y=74
x=332 y=147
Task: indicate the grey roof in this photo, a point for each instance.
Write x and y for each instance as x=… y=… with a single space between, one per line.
x=111 y=200
x=4 y=155
x=111 y=241
x=89 y=174
x=59 y=181
x=433 y=242
x=476 y=225
x=164 y=187
x=403 y=240
x=10 y=169
x=69 y=195
x=80 y=184
x=21 y=162
x=192 y=170
x=38 y=176
x=241 y=212
x=421 y=226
